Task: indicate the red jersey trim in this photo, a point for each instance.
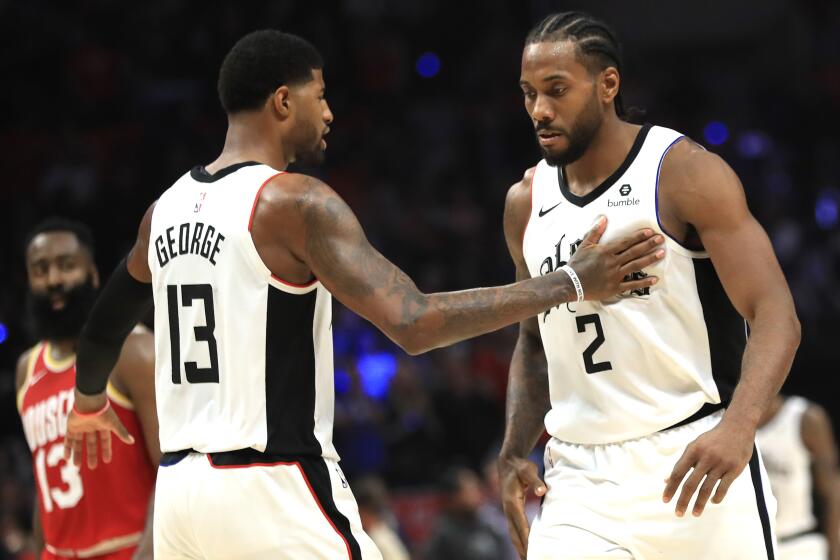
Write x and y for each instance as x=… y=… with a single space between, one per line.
x=257 y=198
x=305 y=479
x=293 y=285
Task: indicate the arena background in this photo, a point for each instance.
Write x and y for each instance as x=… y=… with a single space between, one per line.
x=107 y=103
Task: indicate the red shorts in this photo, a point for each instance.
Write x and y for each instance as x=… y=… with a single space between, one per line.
x=122 y=554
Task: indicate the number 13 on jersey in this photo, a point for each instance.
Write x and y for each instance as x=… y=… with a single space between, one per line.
x=202 y=333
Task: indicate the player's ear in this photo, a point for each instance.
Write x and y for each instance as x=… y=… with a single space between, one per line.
x=608 y=84
x=280 y=102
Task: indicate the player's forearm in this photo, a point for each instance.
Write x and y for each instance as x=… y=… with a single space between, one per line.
x=118 y=309
x=435 y=320
x=527 y=398
x=774 y=338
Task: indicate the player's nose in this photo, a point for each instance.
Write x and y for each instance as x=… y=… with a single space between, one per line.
x=542 y=110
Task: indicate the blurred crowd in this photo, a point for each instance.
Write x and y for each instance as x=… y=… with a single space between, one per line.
x=109 y=102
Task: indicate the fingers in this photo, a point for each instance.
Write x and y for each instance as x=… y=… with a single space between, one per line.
x=712 y=479
x=529 y=478
x=688 y=488
x=121 y=431
x=621 y=245
x=91 y=446
x=642 y=262
x=645 y=248
x=518 y=522
x=516 y=540
x=73 y=449
x=593 y=236
x=681 y=468
x=638 y=284
x=105 y=444
x=723 y=487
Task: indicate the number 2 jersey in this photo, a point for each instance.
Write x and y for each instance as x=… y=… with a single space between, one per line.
x=646 y=360
x=243 y=358
x=83 y=512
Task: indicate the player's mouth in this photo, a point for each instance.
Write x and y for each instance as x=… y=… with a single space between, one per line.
x=57 y=303
x=548 y=137
x=324 y=139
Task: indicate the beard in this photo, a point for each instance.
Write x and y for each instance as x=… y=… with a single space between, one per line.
x=580 y=136
x=312 y=154
x=47 y=323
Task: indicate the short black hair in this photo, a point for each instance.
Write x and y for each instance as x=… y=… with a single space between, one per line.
x=597 y=44
x=57 y=223
x=259 y=63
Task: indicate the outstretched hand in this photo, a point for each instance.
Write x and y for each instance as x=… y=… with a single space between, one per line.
x=516 y=476
x=91 y=422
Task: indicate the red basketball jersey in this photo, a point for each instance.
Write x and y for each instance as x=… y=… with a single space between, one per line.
x=83 y=512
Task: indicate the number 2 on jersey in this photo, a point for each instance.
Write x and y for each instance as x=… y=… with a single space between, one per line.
x=589 y=353
x=202 y=333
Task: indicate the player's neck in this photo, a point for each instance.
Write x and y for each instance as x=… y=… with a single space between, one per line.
x=61 y=349
x=605 y=154
x=247 y=139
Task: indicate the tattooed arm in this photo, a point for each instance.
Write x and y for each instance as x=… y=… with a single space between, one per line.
x=527 y=395
x=328 y=238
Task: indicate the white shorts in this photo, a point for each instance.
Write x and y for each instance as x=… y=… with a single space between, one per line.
x=812 y=546
x=290 y=510
x=605 y=502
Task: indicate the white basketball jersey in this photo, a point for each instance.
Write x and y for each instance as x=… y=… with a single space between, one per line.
x=788 y=464
x=646 y=360
x=244 y=360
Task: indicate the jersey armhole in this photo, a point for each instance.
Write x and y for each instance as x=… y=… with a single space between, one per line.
x=30 y=366
x=677 y=245
x=118 y=396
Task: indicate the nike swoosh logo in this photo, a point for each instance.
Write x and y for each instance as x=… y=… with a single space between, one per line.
x=544 y=212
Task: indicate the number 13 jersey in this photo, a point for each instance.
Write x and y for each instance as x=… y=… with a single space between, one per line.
x=643 y=361
x=243 y=359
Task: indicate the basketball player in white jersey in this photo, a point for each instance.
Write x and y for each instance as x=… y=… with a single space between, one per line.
x=799 y=450
x=243 y=258
x=632 y=390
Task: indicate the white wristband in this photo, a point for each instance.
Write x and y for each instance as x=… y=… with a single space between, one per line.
x=575 y=280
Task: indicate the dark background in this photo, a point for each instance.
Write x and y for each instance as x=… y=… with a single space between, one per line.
x=107 y=103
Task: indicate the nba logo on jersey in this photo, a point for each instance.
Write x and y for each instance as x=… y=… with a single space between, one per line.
x=199 y=203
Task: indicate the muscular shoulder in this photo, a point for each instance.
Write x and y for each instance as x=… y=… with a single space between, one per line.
x=689 y=170
x=294 y=192
x=518 y=207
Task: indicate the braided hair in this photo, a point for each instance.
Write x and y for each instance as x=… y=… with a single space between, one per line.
x=596 y=43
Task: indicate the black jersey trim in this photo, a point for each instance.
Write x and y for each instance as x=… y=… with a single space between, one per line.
x=582 y=201
x=200 y=173
x=755 y=474
x=724 y=328
x=290 y=391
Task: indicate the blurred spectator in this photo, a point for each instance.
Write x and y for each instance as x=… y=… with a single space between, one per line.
x=461 y=533
x=377 y=520
x=413 y=431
